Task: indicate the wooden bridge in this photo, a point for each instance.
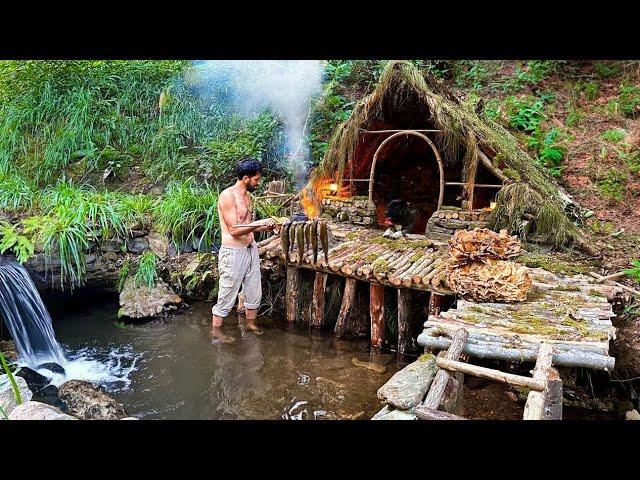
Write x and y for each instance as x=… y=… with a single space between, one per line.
x=573 y=314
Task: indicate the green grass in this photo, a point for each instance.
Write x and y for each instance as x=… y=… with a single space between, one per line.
x=146 y=274
x=188 y=213
x=16 y=193
x=629 y=100
x=614 y=135
x=612 y=186
x=635 y=271
x=14 y=385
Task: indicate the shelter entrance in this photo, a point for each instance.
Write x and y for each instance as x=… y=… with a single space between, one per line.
x=407 y=166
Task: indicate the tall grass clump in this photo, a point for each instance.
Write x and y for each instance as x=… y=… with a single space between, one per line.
x=188 y=213
x=146 y=273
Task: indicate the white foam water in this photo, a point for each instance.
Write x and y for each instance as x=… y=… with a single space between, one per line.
x=112 y=368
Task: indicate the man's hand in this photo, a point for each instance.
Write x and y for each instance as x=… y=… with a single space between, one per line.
x=266 y=225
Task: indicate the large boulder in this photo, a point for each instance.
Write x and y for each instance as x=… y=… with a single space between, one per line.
x=38 y=411
x=7 y=397
x=35 y=380
x=142 y=302
x=49 y=395
x=89 y=401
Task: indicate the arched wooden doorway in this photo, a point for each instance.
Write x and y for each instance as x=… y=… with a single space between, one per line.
x=406 y=134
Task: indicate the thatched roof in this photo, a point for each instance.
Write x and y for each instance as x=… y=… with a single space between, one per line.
x=464 y=134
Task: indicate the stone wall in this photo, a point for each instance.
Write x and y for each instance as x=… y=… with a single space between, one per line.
x=447 y=220
x=356 y=210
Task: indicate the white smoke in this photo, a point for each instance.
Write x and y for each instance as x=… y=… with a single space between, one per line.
x=285 y=87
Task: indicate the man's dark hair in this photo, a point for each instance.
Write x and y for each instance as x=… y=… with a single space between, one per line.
x=248 y=167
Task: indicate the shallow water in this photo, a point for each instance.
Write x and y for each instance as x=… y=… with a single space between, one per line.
x=168 y=369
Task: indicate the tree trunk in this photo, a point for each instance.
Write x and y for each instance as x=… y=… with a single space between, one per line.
x=405 y=338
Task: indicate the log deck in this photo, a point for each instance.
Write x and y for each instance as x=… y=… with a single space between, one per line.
x=572 y=313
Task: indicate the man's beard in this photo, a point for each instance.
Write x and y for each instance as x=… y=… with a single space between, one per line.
x=251 y=188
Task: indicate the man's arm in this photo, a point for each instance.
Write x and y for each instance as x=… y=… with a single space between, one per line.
x=230 y=216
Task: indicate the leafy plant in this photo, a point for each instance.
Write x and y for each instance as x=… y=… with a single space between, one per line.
x=635 y=271
x=629 y=100
x=549 y=153
x=527 y=116
x=19 y=244
x=606 y=70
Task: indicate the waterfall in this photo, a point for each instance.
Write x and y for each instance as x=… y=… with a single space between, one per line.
x=26 y=317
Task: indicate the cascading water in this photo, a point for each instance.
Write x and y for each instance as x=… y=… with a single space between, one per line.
x=30 y=326
x=26 y=317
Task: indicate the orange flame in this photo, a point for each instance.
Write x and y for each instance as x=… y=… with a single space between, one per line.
x=310 y=207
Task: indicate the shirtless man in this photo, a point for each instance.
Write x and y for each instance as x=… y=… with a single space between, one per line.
x=238 y=261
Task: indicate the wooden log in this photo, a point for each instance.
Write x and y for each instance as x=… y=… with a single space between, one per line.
x=426 y=413
x=407 y=277
x=489 y=166
x=611 y=277
x=435 y=304
x=499 y=352
x=624 y=287
x=553 y=396
x=454 y=215
x=534 y=408
x=351 y=267
x=291 y=302
x=491 y=374
x=512 y=341
x=319 y=286
x=376 y=311
x=424 y=269
x=345 y=308
x=436 y=392
x=405 y=338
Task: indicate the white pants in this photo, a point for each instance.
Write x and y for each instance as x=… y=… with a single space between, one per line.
x=238 y=267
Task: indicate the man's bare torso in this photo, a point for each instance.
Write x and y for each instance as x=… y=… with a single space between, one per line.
x=243 y=215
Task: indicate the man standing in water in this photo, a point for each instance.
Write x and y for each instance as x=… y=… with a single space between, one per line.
x=238 y=261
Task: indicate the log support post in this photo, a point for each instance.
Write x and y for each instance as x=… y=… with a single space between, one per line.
x=348 y=297
x=436 y=393
x=293 y=279
x=319 y=287
x=376 y=311
x=405 y=338
x=435 y=303
x=534 y=409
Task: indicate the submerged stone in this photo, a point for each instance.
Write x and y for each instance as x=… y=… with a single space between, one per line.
x=88 y=401
x=52 y=366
